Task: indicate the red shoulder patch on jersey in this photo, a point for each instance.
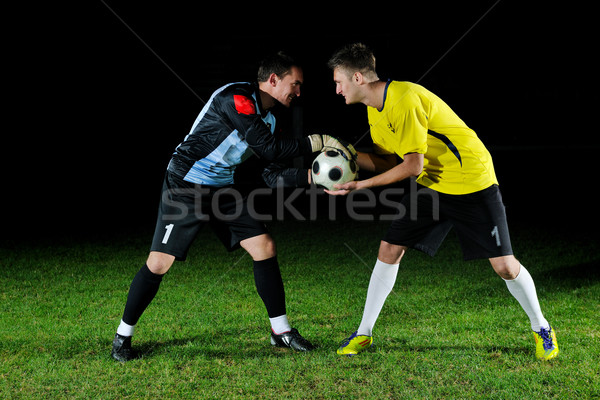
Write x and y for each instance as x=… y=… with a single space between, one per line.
x=244 y=105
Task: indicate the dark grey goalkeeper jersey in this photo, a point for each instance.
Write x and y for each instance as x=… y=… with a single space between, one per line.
x=232 y=127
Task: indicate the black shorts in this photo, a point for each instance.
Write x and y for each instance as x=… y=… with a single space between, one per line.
x=185 y=207
x=479 y=219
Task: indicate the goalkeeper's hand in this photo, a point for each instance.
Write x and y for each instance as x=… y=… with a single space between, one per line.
x=325 y=142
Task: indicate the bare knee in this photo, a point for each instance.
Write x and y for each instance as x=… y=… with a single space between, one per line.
x=159 y=263
x=390 y=253
x=260 y=247
x=507 y=267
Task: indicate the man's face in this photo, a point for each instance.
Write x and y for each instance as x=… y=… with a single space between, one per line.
x=288 y=88
x=345 y=86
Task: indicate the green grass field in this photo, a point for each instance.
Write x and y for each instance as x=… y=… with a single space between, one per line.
x=450 y=329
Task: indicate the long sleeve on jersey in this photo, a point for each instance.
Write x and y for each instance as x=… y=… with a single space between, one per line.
x=248 y=121
x=229 y=129
x=278 y=175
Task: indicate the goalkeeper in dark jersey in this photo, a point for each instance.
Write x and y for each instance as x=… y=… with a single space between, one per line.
x=234 y=125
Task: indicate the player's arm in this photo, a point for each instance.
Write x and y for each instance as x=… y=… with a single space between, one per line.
x=272 y=147
x=278 y=174
x=244 y=117
x=376 y=162
x=242 y=113
x=379 y=160
x=411 y=166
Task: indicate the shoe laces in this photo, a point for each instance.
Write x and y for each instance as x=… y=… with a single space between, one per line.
x=349 y=338
x=546 y=338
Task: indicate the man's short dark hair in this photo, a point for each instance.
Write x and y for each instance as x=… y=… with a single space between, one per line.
x=353 y=57
x=279 y=64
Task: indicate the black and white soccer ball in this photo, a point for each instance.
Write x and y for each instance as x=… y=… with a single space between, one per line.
x=331 y=167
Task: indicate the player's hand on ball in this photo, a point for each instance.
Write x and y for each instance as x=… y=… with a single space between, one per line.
x=343 y=189
x=349 y=148
x=326 y=142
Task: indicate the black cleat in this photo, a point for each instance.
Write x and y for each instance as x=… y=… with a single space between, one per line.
x=291 y=339
x=121 y=348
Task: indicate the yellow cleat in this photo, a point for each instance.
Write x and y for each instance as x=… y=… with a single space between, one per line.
x=354 y=344
x=546 y=346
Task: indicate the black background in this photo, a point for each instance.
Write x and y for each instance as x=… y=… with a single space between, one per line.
x=100 y=93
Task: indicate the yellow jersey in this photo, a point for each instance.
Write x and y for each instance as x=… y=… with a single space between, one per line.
x=414 y=120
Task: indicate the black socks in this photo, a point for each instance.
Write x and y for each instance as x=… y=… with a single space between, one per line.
x=267 y=278
x=141 y=292
x=269 y=286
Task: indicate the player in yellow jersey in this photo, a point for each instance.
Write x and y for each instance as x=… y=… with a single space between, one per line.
x=457 y=188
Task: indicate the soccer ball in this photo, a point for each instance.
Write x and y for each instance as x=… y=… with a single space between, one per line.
x=331 y=167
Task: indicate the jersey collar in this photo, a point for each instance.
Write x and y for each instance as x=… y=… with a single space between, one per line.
x=385 y=94
x=261 y=110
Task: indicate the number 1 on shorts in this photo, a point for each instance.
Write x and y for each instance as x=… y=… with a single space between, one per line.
x=495 y=234
x=168 y=228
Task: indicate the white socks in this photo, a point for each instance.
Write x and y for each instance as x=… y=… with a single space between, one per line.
x=125 y=329
x=384 y=276
x=280 y=324
x=523 y=289
x=380 y=286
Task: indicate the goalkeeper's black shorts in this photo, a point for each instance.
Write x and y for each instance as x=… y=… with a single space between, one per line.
x=186 y=207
